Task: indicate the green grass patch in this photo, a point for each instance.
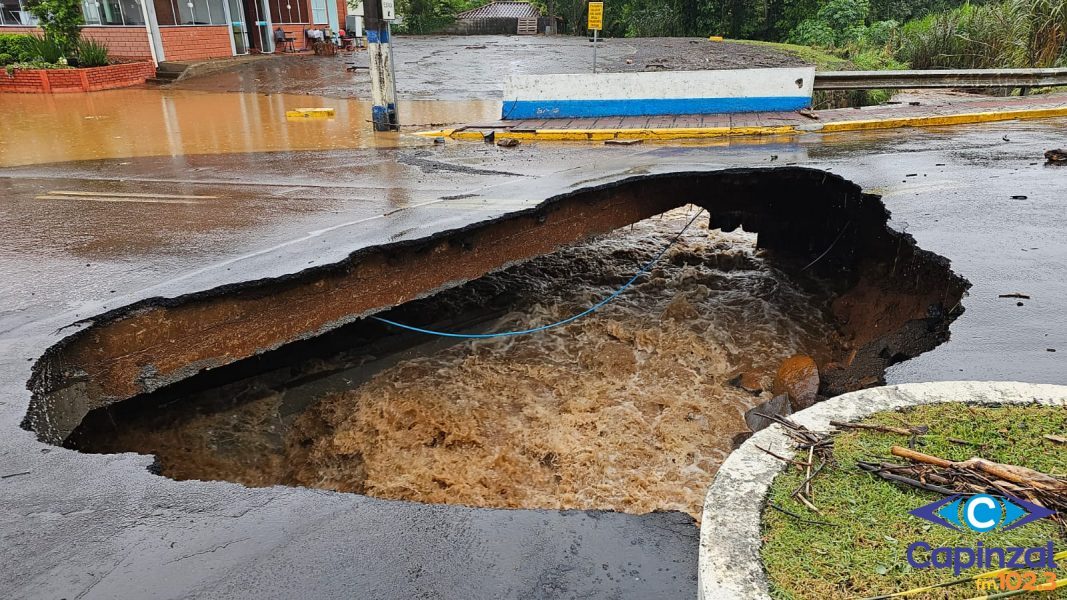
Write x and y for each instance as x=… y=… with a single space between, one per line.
x=823 y=61
x=863 y=553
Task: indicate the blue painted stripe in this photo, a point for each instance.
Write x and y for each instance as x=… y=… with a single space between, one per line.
x=374 y=36
x=637 y=107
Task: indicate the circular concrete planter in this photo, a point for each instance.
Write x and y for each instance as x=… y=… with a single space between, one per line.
x=730 y=566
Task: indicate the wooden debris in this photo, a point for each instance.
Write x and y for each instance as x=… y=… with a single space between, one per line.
x=1018 y=295
x=1059 y=439
x=974 y=475
x=796 y=516
x=782 y=458
x=883 y=428
x=915 y=456
x=888 y=475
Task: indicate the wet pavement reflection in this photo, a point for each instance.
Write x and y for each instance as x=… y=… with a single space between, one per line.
x=148 y=121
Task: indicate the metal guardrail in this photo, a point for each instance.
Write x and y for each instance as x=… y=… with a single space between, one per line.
x=956 y=78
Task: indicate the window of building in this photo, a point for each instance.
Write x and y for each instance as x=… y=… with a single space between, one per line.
x=318 y=11
x=113 y=12
x=13 y=12
x=188 y=12
x=287 y=11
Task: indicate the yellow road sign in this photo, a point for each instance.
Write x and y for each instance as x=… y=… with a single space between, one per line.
x=596 y=16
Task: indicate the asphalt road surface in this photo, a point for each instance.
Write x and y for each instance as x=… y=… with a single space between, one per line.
x=94 y=526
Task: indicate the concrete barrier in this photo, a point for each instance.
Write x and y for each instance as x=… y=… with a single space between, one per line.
x=658 y=93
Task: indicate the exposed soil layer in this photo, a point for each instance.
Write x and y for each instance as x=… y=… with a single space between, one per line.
x=407 y=419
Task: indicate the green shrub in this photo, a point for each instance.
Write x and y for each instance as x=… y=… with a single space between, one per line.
x=836 y=24
x=6 y=59
x=33 y=64
x=19 y=46
x=92 y=54
x=1046 y=30
x=61 y=21
x=881 y=35
x=970 y=37
x=876 y=60
x=47 y=49
x=812 y=32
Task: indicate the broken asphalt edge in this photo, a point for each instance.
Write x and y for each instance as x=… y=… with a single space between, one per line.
x=730 y=565
x=677 y=133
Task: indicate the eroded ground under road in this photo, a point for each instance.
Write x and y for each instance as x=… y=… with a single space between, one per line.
x=631 y=409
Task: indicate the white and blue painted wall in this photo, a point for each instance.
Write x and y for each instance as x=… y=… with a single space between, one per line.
x=657 y=93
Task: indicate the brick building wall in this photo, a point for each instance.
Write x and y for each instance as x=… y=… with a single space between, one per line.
x=191 y=43
x=342 y=10
x=122 y=42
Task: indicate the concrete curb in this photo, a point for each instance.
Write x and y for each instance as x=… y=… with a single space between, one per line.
x=730 y=566
x=677 y=133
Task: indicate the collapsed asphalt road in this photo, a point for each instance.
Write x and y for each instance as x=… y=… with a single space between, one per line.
x=77 y=525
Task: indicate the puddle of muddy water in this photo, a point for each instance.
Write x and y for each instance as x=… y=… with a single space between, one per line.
x=630 y=409
x=152 y=122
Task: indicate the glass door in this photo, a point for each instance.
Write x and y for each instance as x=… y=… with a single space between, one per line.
x=263 y=25
x=240 y=28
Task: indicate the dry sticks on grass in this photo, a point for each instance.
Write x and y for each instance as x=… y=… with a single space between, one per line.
x=922 y=471
x=819 y=449
x=972 y=476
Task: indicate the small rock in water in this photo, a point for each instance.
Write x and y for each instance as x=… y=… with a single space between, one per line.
x=798 y=376
x=1057 y=155
x=507 y=143
x=777 y=406
x=748 y=381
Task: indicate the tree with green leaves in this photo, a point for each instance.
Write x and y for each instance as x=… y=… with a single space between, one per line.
x=61 y=21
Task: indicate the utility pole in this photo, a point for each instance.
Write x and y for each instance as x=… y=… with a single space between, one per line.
x=376 y=17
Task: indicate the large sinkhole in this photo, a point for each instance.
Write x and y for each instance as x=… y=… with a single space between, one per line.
x=631 y=408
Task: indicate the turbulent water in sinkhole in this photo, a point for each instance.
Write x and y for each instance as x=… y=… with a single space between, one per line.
x=629 y=409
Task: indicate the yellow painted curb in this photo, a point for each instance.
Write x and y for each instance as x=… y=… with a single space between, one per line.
x=456 y=134
x=309 y=113
x=680 y=133
x=937 y=120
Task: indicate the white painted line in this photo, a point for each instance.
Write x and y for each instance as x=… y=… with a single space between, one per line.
x=107 y=199
x=129 y=195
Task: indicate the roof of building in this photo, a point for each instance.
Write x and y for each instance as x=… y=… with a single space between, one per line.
x=502 y=10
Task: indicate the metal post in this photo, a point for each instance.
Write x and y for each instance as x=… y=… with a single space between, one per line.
x=380 y=53
x=595 y=32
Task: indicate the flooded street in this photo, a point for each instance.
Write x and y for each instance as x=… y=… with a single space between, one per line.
x=141 y=122
x=631 y=409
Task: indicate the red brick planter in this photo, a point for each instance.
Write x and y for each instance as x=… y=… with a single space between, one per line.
x=53 y=81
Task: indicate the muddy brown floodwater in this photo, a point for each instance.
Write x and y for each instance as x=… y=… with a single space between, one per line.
x=629 y=409
x=153 y=122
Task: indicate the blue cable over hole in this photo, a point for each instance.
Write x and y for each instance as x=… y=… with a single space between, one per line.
x=590 y=310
